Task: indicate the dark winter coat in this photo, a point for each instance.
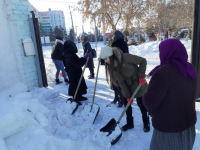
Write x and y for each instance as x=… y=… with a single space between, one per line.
x=133 y=68
x=57 y=51
x=88 y=49
x=121 y=44
x=73 y=66
x=171 y=96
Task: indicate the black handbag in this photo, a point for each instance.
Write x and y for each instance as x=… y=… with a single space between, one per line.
x=94 y=53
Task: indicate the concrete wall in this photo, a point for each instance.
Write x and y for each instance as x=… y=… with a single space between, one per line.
x=14 y=65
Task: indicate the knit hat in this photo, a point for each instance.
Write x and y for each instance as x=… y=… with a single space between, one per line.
x=106 y=52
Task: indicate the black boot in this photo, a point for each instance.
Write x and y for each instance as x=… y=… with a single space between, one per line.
x=66 y=81
x=82 y=98
x=116 y=97
x=121 y=99
x=58 y=81
x=129 y=124
x=146 y=124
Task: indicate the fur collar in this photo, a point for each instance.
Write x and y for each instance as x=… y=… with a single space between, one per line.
x=59 y=41
x=118 y=53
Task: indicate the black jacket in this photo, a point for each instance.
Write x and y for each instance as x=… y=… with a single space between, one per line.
x=73 y=66
x=120 y=43
x=87 y=49
x=57 y=51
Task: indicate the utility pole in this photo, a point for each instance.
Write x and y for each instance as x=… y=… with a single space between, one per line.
x=72 y=26
x=95 y=32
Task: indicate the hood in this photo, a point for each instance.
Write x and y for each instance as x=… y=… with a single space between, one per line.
x=70 y=47
x=118 y=35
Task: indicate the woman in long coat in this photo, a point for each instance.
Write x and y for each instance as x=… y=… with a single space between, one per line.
x=73 y=66
x=171 y=96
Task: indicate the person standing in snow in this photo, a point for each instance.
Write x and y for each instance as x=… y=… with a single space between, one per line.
x=129 y=71
x=56 y=55
x=87 y=49
x=122 y=45
x=171 y=96
x=73 y=66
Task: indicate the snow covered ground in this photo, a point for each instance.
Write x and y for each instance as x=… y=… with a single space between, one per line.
x=40 y=119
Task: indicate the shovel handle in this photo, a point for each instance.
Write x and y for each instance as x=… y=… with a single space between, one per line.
x=80 y=79
x=95 y=86
x=128 y=104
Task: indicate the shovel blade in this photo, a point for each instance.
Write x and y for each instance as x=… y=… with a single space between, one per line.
x=73 y=103
x=91 y=108
x=114 y=132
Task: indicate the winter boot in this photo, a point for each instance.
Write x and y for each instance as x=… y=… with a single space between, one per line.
x=91 y=76
x=58 y=81
x=66 y=81
x=116 y=97
x=121 y=99
x=82 y=98
x=146 y=124
x=129 y=124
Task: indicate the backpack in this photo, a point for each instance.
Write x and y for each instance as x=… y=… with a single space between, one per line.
x=94 y=53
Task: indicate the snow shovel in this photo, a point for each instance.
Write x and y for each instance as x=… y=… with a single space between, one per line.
x=92 y=107
x=73 y=100
x=112 y=127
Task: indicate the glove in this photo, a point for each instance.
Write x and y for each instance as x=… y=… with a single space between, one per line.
x=142 y=81
x=88 y=55
x=129 y=100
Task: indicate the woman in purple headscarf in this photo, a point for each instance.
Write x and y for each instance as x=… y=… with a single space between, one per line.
x=171 y=97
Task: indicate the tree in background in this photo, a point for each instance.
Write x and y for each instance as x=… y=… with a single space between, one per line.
x=42 y=31
x=52 y=36
x=58 y=31
x=140 y=39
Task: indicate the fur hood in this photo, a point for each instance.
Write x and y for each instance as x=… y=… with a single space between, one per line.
x=118 y=53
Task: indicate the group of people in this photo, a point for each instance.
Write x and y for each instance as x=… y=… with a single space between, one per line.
x=65 y=59
x=170 y=95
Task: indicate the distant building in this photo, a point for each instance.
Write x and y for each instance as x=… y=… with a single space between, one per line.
x=50 y=19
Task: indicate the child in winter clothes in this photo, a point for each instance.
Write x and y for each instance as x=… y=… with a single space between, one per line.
x=171 y=96
x=129 y=71
x=73 y=66
x=56 y=55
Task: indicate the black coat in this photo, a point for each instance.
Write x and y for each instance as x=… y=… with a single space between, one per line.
x=73 y=66
x=120 y=43
x=87 y=49
x=57 y=51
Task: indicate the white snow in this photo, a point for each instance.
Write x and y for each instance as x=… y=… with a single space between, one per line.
x=41 y=119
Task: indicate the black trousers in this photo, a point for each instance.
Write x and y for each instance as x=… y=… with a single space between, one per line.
x=141 y=106
x=91 y=71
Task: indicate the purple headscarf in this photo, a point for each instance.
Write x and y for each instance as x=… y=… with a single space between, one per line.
x=173 y=51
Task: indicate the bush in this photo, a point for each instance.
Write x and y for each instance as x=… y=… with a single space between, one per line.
x=140 y=39
x=132 y=42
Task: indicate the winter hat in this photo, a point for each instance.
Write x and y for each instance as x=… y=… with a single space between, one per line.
x=106 y=52
x=59 y=38
x=174 y=52
x=118 y=35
